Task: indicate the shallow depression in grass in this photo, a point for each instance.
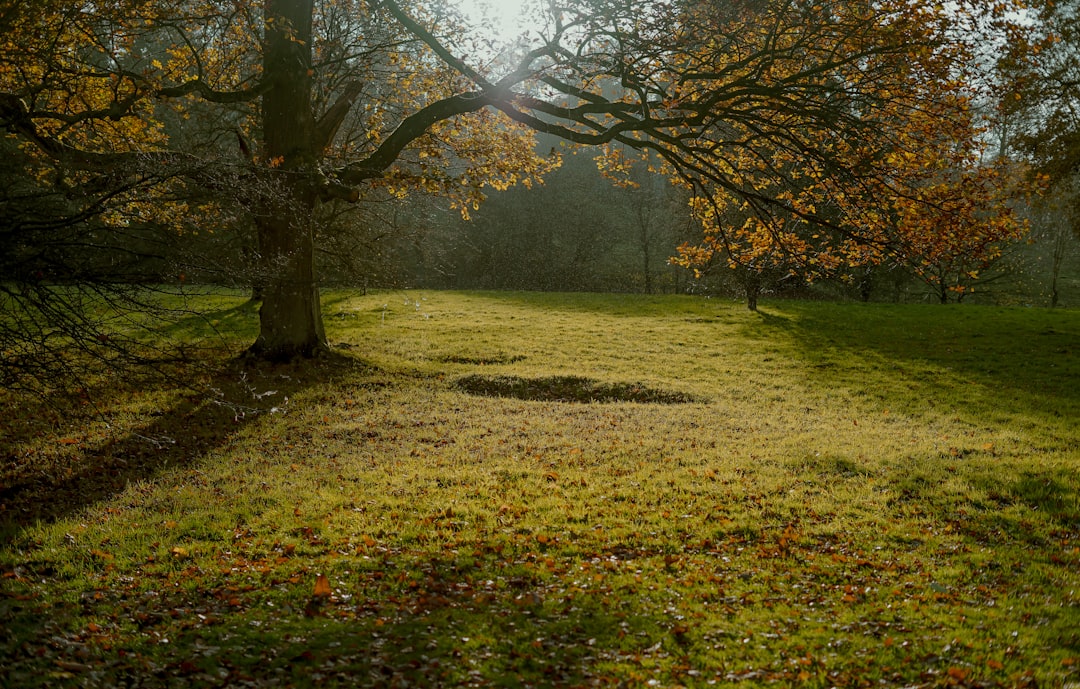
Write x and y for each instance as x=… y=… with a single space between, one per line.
x=567 y=389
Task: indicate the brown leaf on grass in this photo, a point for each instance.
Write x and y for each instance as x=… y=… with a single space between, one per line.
x=319 y=595
x=322 y=587
x=958 y=673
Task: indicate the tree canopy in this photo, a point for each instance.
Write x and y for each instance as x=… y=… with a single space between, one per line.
x=840 y=130
x=1046 y=91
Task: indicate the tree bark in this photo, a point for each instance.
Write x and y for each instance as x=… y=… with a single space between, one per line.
x=753 y=289
x=290 y=319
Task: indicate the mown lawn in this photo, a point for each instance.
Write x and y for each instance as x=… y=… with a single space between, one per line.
x=507 y=489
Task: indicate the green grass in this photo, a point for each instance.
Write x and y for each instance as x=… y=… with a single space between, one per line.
x=507 y=489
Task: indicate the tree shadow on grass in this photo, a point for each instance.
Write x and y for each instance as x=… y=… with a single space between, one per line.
x=989 y=368
x=985 y=364
x=427 y=621
x=234 y=322
x=97 y=461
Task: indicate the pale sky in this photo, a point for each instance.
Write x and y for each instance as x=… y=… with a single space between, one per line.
x=505 y=14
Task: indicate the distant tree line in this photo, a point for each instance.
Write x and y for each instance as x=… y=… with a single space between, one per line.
x=579 y=231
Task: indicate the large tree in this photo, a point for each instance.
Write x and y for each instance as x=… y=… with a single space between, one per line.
x=282 y=105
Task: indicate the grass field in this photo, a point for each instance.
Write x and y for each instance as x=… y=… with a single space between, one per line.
x=510 y=489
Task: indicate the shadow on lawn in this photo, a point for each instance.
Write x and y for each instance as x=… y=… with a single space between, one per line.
x=453 y=622
x=991 y=368
x=985 y=364
x=203 y=417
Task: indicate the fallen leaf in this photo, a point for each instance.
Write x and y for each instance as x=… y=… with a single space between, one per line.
x=322 y=587
x=72 y=667
x=958 y=673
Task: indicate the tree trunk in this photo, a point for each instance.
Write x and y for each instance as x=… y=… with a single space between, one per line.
x=646 y=257
x=866 y=284
x=290 y=319
x=753 y=289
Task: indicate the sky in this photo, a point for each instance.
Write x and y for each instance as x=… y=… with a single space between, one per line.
x=505 y=14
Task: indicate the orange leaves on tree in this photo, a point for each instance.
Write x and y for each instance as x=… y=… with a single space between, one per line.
x=896 y=178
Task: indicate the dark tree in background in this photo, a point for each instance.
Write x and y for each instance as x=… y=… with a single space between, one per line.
x=578 y=231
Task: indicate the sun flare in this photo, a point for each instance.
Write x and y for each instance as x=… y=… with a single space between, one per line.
x=506 y=19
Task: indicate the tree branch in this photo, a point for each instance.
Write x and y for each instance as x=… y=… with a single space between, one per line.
x=327 y=126
x=412 y=128
x=212 y=95
x=418 y=30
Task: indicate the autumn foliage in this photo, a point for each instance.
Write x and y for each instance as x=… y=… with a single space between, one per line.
x=911 y=186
